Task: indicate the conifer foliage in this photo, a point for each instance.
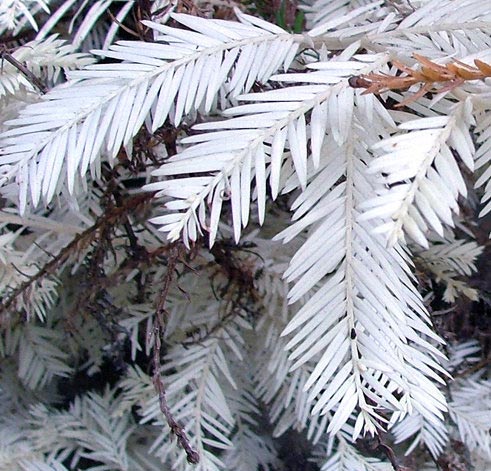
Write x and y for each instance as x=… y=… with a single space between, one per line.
x=223 y=223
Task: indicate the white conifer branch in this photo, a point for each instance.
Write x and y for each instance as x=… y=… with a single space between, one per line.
x=438 y=28
x=449 y=260
x=104 y=106
x=358 y=352
x=251 y=449
x=458 y=255
x=251 y=145
x=14 y=14
x=40 y=358
x=419 y=177
x=196 y=377
x=483 y=153
x=346 y=458
x=88 y=428
x=431 y=433
x=470 y=409
x=342 y=255
x=46 y=59
x=462 y=354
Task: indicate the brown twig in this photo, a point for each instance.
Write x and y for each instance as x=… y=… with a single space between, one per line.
x=33 y=80
x=391 y=456
x=143 y=11
x=431 y=77
x=122 y=26
x=158 y=329
x=108 y=218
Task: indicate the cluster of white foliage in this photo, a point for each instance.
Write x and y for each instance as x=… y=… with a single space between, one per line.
x=449 y=259
x=334 y=340
x=14 y=14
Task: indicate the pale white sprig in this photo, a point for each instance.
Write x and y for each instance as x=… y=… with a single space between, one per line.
x=419 y=178
x=470 y=409
x=104 y=106
x=47 y=59
x=450 y=259
x=250 y=146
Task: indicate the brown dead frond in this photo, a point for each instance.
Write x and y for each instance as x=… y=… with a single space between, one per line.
x=431 y=77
